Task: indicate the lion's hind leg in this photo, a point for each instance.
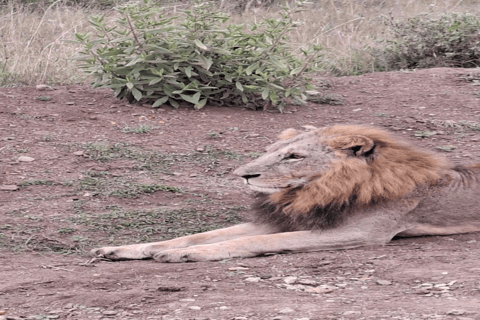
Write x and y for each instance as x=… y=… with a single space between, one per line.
x=148 y=250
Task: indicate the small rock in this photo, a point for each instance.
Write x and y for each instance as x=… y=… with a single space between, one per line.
x=356 y=110
x=351 y=313
x=384 y=282
x=290 y=280
x=186 y=300
x=78 y=153
x=286 y=310
x=195 y=308
x=11 y=187
x=224 y=308
x=2 y=312
x=319 y=289
x=455 y=312
x=70 y=103
x=308 y=282
x=43 y=87
x=341 y=285
x=3 y=318
x=238 y=269
x=252 y=279
x=25 y=159
x=109 y=313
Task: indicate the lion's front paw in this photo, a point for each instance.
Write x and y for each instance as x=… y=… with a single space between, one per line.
x=106 y=252
x=131 y=252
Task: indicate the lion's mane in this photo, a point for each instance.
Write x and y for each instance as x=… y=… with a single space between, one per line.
x=391 y=172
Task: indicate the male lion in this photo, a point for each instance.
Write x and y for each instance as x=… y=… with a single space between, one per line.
x=334 y=188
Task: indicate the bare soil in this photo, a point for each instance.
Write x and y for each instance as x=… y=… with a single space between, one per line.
x=105 y=172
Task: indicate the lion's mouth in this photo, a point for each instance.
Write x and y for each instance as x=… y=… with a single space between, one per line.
x=268 y=190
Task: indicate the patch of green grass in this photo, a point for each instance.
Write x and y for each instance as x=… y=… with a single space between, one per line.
x=133 y=190
x=143 y=128
x=424 y=134
x=36 y=183
x=161 y=223
x=120 y=187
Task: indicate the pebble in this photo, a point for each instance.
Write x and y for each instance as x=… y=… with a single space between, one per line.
x=351 y=313
x=25 y=159
x=109 y=313
x=78 y=153
x=2 y=312
x=290 y=280
x=195 y=308
x=455 y=312
x=307 y=282
x=253 y=279
x=43 y=87
x=9 y=188
x=286 y=310
x=384 y=282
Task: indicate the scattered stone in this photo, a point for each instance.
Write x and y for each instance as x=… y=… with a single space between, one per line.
x=384 y=282
x=308 y=282
x=286 y=311
x=25 y=159
x=238 y=269
x=195 y=308
x=320 y=289
x=252 y=279
x=43 y=87
x=11 y=187
x=290 y=280
x=455 y=312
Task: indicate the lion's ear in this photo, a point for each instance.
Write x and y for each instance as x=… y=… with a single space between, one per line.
x=290 y=133
x=287 y=134
x=357 y=145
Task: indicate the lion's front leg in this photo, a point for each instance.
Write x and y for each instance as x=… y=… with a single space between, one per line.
x=376 y=230
x=149 y=250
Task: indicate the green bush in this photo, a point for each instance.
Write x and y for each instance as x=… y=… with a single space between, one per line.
x=149 y=57
x=452 y=40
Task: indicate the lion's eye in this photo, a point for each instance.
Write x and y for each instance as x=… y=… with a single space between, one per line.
x=292 y=157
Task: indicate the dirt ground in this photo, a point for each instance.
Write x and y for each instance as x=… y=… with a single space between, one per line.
x=81 y=170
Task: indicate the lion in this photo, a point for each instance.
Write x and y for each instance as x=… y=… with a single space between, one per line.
x=338 y=187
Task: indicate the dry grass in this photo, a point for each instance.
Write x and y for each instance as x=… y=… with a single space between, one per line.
x=32 y=49
x=347 y=28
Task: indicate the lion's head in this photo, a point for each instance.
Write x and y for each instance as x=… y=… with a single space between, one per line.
x=322 y=172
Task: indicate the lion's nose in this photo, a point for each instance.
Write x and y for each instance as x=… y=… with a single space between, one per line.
x=250 y=176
